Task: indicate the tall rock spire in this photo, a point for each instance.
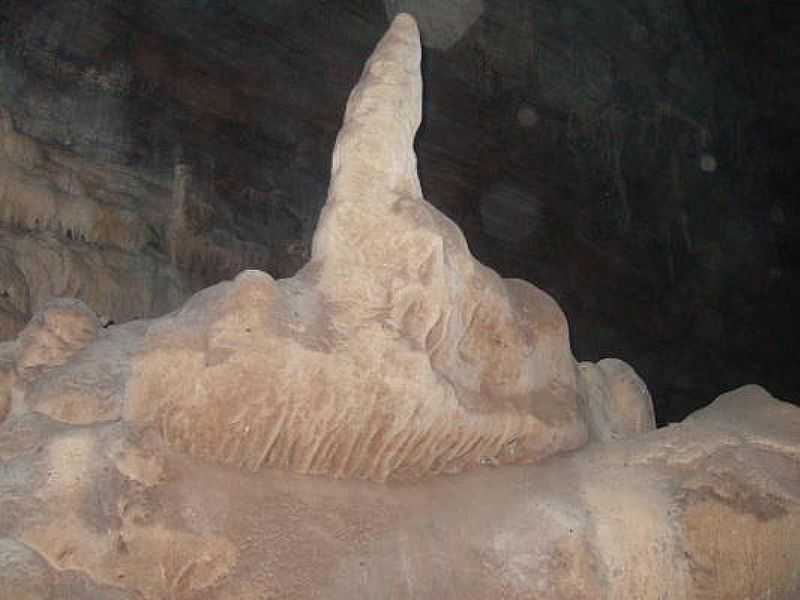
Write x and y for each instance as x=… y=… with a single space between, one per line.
x=373 y=159
x=393 y=353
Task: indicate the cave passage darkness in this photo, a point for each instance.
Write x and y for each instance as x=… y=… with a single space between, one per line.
x=636 y=159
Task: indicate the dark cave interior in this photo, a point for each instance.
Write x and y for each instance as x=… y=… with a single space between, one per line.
x=636 y=159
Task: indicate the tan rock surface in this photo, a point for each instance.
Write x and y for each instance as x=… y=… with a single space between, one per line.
x=614 y=400
x=68 y=228
x=392 y=354
x=7 y=377
x=54 y=336
x=688 y=512
x=113 y=237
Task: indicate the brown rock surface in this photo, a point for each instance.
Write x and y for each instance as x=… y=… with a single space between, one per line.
x=113 y=237
x=7 y=377
x=614 y=399
x=392 y=354
x=69 y=227
x=705 y=509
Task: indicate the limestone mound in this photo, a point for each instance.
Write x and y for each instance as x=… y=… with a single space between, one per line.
x=708 y=509
x=392 y=353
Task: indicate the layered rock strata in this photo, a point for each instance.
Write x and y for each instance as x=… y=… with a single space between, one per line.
x=72 y=228
x=128 y=245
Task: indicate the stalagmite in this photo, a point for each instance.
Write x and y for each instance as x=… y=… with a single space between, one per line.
x=392 y=353
x=168 y=458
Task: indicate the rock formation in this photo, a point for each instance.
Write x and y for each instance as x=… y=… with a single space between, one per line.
x=441 y=24
x=170 y=458
x=573 y=143
x=126 y=246
x=392 y=353
x=65 y=234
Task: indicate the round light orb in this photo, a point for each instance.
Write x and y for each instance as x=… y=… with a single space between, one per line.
x=708 y=163
x=527 y=116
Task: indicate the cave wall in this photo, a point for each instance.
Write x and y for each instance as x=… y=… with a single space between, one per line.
x=631 y=158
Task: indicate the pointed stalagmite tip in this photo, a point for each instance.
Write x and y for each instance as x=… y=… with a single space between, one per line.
x=406 y=21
